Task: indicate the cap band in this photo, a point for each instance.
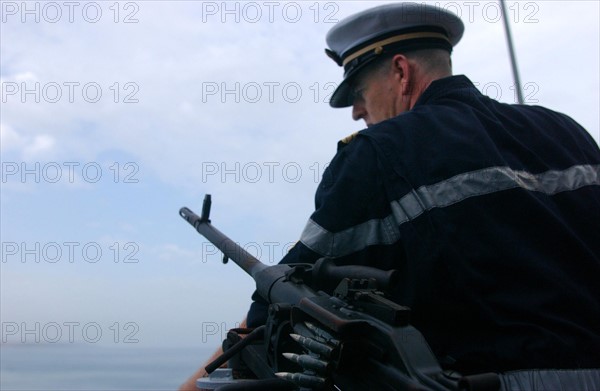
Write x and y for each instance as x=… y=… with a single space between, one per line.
x=397 y=38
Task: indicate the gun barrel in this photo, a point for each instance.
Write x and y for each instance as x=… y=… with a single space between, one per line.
x=228 y=247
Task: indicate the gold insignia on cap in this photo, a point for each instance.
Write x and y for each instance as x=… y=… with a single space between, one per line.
x=378 y=50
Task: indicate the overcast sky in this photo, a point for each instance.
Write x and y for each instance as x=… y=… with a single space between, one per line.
x=116 y=114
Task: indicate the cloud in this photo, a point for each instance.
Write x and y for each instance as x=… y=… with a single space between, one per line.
x=39 y=145
x=25 y=76
x=27 y=147
x=9 y=138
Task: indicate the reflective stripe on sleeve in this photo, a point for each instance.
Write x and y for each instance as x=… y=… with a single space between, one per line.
x=353 y=239
x=442 y=194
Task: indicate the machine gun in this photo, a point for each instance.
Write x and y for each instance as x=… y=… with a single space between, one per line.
x=328 y=328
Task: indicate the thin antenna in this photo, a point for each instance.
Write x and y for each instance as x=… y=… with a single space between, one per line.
x=513 y=59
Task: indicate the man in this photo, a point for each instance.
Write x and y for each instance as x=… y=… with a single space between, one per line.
x=491 y=212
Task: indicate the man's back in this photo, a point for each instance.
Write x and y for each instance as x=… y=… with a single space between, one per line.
x=499 y=215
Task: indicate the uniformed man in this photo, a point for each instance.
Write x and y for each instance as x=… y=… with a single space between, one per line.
x=490 y=211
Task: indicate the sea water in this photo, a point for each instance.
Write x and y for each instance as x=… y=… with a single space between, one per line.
x=90 y=367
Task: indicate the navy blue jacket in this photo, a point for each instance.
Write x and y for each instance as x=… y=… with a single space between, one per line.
x=492 y=214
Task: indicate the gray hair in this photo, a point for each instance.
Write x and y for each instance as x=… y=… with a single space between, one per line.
x=431 y=61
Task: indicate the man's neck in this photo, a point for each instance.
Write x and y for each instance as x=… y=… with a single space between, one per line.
x=424 y=83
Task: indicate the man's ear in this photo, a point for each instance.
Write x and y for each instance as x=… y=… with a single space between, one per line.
x=402 y=73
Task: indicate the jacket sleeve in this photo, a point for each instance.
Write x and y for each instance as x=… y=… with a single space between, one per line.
x=352 y=222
